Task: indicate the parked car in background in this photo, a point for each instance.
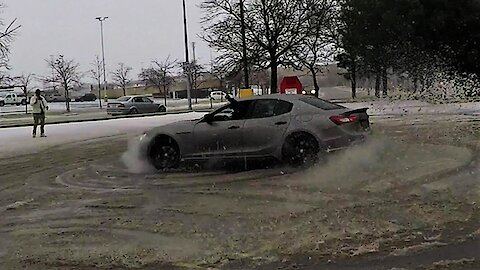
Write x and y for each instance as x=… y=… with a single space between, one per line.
x=297 y=129
x=55 y=98
x=12 y=98
x=134 y=105
x=217 y=95
x=86 y=97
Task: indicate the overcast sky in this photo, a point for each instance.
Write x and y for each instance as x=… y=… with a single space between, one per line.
x=137 y=31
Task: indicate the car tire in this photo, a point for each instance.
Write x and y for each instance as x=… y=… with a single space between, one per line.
x=162 y=109
x=300 y=150
x=164 y=153
x=2 y=103
x=133 y=111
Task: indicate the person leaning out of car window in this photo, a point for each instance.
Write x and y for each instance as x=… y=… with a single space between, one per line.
x=39 y=107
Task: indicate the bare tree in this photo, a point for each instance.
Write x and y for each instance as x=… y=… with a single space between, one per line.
x=217 y=72
x=197 y=71
x=121 y=76
x=273 y=28
x=24 y=81
x=160 y=75
x=66 y=73
x=96 y=73
x=7 y=35
x=262 y=79
x=317 y=49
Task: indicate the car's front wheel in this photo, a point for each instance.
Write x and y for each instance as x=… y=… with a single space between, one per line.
x=134 y=111
x=164 y=153
x=301 y=149
x=162 y=109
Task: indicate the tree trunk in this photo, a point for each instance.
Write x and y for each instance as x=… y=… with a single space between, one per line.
x=67 y=96
x=124 y=91
x=353 y=80
x=377 y=83
x=165 y=93
x=274 y=77
x=100 y=94
x=385 y=82
x=315 y=81
x=26 y=99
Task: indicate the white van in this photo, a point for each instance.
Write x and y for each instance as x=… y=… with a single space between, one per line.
x=12 y=98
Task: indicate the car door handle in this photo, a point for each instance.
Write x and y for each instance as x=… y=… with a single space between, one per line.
x=280 y=123
x=234 y=127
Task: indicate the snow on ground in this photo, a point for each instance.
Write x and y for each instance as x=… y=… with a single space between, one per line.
x=19 y=140
x=381 y=108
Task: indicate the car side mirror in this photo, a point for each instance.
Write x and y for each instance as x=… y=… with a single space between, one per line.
x=208 y=118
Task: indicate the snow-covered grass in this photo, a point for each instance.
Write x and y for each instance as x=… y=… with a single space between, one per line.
x=19 y=140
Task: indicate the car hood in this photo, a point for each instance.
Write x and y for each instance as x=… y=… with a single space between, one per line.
x=181 y=127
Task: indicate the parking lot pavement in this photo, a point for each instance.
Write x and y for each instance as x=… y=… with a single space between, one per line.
x=78 y=206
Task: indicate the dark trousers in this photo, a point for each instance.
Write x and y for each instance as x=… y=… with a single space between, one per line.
x=38 y=119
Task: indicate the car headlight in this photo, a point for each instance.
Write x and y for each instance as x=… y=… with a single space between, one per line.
x=304 y=92
x=313 y=92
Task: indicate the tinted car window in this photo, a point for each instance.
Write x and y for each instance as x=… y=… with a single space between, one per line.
x=237 y=111
x=283 y=107
x=321 y=104
x=270 y=108
x=138 y=100
x=147 y=100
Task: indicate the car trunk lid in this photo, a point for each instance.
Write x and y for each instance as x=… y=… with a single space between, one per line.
x=115 y=105
x=355 y=120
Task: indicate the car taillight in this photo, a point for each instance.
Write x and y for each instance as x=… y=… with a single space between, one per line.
x=341 y=120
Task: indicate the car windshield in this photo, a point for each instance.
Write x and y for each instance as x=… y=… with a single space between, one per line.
x=240 y=134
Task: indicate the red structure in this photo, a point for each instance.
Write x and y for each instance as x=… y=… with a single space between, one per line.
x=291 y=86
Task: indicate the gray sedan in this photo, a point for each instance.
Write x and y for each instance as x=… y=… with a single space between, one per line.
x=134 y=105
x=296 y=129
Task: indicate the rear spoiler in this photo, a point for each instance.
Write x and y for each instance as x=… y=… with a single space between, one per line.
x=362 y=110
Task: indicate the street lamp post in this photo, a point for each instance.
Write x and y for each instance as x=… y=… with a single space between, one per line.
x=187 y=61
x=244 y=46
x=101 y=20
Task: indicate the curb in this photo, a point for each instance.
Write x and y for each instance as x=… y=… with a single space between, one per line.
x=105 y=118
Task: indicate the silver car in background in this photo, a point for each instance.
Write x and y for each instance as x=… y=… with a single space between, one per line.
x=296 y=129
x=134 y=105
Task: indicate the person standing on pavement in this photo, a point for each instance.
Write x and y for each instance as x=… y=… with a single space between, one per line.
x=39 y=107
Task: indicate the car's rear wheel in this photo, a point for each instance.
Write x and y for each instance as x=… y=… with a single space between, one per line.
x=164 y=153
x=134 y=111
x=301 y=149
x=2 y=103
